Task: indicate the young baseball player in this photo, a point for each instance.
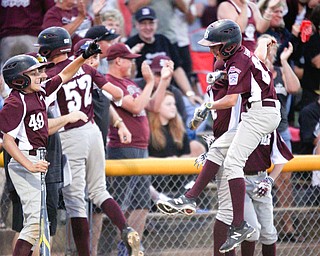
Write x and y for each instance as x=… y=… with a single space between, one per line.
x=103 y=111
x=86 y=155
x=258 y=210
x=247 y=76
x=25 y=125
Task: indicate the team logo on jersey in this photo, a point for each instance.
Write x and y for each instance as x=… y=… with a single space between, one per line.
x=233 y=78
x=233 y=69
x=233 y=75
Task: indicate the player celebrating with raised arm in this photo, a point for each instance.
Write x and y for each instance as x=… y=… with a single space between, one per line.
x=86 y=156
x=25 y=125
x=248 y=77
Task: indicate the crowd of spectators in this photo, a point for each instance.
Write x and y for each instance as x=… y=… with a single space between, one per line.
x=157 y=74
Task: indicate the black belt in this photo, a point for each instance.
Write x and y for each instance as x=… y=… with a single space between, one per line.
x=33 y=152
x=265 y=103
x=254 y=173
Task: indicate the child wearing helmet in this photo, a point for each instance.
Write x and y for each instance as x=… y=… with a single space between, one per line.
x=249 y=77
x=25 y=128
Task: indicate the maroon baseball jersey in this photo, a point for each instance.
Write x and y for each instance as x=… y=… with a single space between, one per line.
x=76 y=94
x=19 y=17
x=249 y=36
x=249 y=77
x=271 y=148
x=24 y=116
x=138 y=125
x=226 y=119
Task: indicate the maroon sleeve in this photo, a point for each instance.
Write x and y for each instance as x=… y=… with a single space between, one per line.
x=12 y=108
x=53 y=84
x=99 y=79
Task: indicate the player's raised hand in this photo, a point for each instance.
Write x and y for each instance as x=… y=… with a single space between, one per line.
x=92 y=49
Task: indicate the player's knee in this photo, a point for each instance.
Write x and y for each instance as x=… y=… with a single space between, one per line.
x=30 y=233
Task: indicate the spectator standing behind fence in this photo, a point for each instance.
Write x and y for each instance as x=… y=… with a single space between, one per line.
x=135 y=196
x=86 y=156
x=113 y=19
x=72 y=16
x=105 y=37
x=168 y=138
x=298 y=10
x=24 y=119
x=156 y=65
x=309 y=119
x=182 y=20
x=247 y=15
x=277 y=30
x=310 y=56
x=156 y=44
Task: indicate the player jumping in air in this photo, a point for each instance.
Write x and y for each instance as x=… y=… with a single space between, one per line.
x=247 y=76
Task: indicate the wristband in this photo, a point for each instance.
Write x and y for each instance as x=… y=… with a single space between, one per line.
x=117 y=122
x=270 y=180
x=190 y=93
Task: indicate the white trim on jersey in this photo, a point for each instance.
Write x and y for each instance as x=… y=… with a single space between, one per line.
x=20 y=131
x=276 y=156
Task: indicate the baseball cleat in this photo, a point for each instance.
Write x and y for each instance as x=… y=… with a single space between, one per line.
x=236 y=235
x=181 y=204
x=131 y=239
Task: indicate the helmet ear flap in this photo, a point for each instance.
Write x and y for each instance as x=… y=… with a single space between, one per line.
x=229 y=50
x=21 y=82
x=45 y=52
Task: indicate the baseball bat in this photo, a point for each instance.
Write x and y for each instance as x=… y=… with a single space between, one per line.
x=194 y=123
x=44 y=222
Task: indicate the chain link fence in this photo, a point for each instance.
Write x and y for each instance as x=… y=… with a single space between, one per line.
x=297 y=219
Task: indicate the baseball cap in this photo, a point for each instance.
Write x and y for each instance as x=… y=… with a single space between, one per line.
x=100 y=32
x=158 y=63
x=81 y=46
x=120 y=50
x=145 y=13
